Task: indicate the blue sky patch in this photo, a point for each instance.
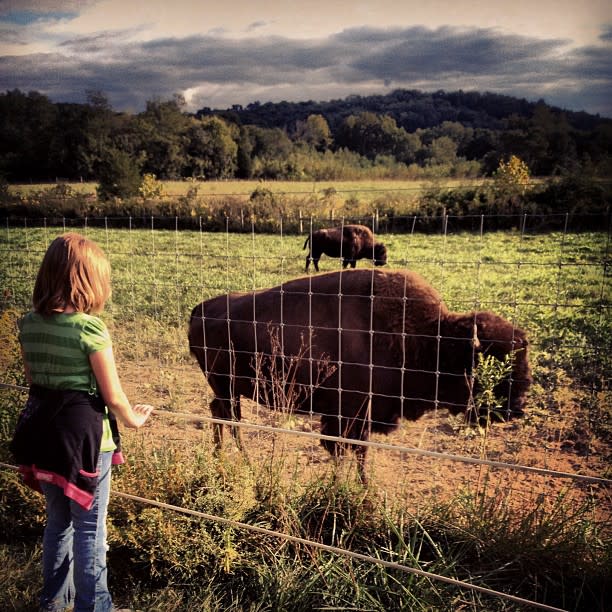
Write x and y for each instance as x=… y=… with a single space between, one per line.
x=28 y=17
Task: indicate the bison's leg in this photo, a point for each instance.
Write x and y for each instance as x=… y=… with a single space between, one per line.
x=217 y=436
x=330 y=427
x=315 y=261
x=236 y=430
x=345 y=428
x=360 y=454
x=217 y=409
x=228 y=410
x=315 y=254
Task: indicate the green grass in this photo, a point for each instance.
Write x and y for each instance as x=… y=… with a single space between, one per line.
x=551 y=284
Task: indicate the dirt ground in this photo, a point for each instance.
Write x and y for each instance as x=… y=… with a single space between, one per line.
x=551 y=442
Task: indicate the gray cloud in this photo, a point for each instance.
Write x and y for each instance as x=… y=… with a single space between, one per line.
x=41 y=7
x=10 y=36
x=225 y=71
x=446 y=51
x=606 y=33
x=256 y=25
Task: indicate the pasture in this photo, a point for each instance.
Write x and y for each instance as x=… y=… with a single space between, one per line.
x=556 y=286
x=361 y=189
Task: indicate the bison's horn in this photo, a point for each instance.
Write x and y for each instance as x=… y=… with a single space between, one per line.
x=475 y=340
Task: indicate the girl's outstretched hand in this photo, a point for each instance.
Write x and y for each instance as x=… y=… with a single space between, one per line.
x=141 y=413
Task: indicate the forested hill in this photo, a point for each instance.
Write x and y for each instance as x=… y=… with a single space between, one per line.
x=411 y=110
x=402 y=135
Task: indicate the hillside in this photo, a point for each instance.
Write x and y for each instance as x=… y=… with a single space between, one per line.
x=403 y=135
x=411 y=109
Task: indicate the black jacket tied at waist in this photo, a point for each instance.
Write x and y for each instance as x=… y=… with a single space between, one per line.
x=57 y=439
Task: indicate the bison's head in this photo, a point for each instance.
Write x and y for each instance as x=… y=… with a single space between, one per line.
x=498 y=338
x=471 y=340
x=380 y=254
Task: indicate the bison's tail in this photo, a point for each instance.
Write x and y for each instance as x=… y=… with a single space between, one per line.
x=307 y=241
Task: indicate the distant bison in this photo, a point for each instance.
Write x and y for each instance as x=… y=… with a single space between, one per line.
x=351 y=242
x=360 y=348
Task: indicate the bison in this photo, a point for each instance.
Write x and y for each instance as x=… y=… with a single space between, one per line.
x=362 y=349
x=350 y=242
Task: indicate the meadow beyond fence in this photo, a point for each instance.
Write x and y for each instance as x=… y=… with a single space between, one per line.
x=555 y=285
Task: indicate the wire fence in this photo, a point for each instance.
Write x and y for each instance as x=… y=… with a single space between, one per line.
x=154 y=274
x=556 y=286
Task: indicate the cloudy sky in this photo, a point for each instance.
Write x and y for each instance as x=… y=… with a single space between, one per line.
x=222 y=52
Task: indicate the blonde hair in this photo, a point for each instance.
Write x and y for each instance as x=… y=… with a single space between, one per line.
x=74 y=273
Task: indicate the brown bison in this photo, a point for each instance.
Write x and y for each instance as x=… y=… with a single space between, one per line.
x=350 y=242
x=361 y=348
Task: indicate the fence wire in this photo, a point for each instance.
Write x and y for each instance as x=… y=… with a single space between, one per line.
x=555 y=285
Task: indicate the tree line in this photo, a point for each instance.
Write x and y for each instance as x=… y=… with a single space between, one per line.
x=404 y=134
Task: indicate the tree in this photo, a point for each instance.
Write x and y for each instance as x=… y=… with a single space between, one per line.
x=272 y=152
x=162 y=128
x=407 y=147
x=511 y=182
x=270 y=144
x=28 y=126
x=98 y=127
x=211 y=149
x=244 y=155
x=442 y=150
x=314 y=132
x=119 y=176
x=373 y=136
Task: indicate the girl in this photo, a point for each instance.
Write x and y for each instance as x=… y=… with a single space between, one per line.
x=67 y=437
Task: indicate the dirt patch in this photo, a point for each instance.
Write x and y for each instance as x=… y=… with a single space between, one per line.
x=544 y=441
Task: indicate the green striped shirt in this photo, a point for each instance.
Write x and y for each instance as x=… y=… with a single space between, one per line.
x=57 y=349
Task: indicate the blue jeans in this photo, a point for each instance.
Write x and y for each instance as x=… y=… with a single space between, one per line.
x=74 y=548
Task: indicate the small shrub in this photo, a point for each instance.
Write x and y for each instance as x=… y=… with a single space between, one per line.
x=266 y=209
x=150 y=187
x=513 y=174
x=489 y=372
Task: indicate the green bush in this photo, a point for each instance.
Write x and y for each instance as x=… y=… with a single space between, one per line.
x=11 y=366
x=574 y=194
x=119 y=176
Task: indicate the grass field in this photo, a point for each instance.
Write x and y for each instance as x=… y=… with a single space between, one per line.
x=361 y=189
x=548 y=283
x=555 y=285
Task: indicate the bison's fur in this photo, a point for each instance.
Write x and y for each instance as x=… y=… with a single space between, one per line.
x=361 y=348
x=350 y=242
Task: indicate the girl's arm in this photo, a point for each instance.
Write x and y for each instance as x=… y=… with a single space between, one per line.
x=104 y=369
